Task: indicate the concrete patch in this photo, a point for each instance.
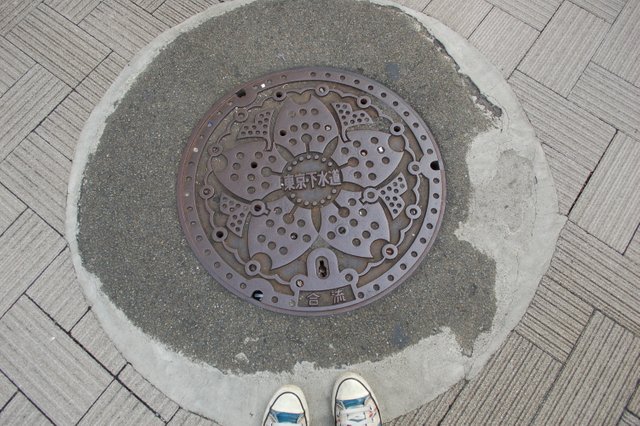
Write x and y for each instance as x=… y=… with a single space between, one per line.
x=498 y=163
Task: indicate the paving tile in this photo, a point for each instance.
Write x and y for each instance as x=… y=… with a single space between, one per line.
x=73 y=10
x=598 y=378
x=155 y=399
x=609 y=206
x=417 y=5
x=509 y=389
x=568 y=176
x=633 y=250
x=47 y=365
x=555 y=319
x=620 y=51
x=609 y=97
x=503 y=39
x=634 y=402
x=14 y=63
x=605 y=9
x=25 y=104
x=37 y=173
x=122 y=26
x=536 y=13
x=62 y=127
x=58 y=293
x=149 y=5
x=20 y=411
x=431 y=413
x=7 y=390
x=92 y=337
x=185 y=418
x=629 y=419
x=563 y=126
x=173 y=12
x=597 y=274
x=564 y=48
x=14 y=11
x=26 y=249
x=462 y=16
x=118 y=406
x=10 y=208
x=58 y=45
x=96 y=84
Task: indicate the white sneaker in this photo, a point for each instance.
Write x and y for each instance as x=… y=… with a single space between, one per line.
x=354 y=402
x=288 y=407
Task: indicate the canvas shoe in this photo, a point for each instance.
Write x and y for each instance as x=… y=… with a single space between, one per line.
x=354 y=402
x=288 y=407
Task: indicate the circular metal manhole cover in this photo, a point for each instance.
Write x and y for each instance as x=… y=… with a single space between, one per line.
x=311 y=191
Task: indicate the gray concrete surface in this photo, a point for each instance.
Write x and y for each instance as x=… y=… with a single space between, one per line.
x=128 y=197
x=585 y=313
x=152 y=279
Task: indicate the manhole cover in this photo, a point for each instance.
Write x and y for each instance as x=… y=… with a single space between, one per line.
x=311 y=191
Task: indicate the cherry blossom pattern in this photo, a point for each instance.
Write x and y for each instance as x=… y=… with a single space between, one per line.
x=315 y=178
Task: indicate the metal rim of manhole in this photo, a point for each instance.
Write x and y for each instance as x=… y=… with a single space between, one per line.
x=311 y=191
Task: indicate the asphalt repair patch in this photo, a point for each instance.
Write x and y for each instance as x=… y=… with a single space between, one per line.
x=130 y=236
x=217 y=355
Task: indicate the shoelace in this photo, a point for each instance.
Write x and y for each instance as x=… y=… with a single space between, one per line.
x=356 y=415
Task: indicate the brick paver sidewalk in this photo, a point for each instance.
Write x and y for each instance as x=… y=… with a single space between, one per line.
x=575 y=356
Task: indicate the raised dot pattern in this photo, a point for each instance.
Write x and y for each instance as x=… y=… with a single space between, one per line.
x=349 y=118
x=249 y=170
x=299 y=126
x=352 y=226
x=281 y=235
x=368 y=158
x=391 y=195
x=259 y=128
x=237 y=214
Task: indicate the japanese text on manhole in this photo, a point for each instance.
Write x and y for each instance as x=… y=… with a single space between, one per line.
x=311 y=191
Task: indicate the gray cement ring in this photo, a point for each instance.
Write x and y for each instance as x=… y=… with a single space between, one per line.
x=505 y=166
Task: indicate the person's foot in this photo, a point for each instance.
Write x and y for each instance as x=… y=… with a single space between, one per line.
x=354 y=402
x=288 y=407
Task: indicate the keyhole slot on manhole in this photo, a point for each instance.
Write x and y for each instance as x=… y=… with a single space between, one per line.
x=258 y=295
x=435 y=165
x=321 y=266
x=241 y=94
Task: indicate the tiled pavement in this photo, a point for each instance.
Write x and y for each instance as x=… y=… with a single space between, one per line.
x=575 y=356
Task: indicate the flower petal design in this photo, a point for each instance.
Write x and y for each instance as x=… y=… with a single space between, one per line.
x=249 y=172
x=349 y=227
x=283 y=234
x=390 y=195
x=368 y=157
x=259 y=127
x=350 y=118
x=304 y=127
x=237 y=213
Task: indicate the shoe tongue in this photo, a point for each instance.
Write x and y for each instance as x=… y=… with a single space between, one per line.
x=352 y=403
x=287 y=418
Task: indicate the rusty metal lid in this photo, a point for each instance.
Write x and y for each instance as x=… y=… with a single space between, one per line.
x=311 y=191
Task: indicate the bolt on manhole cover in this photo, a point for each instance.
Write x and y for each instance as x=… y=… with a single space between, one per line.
x=311 y=191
